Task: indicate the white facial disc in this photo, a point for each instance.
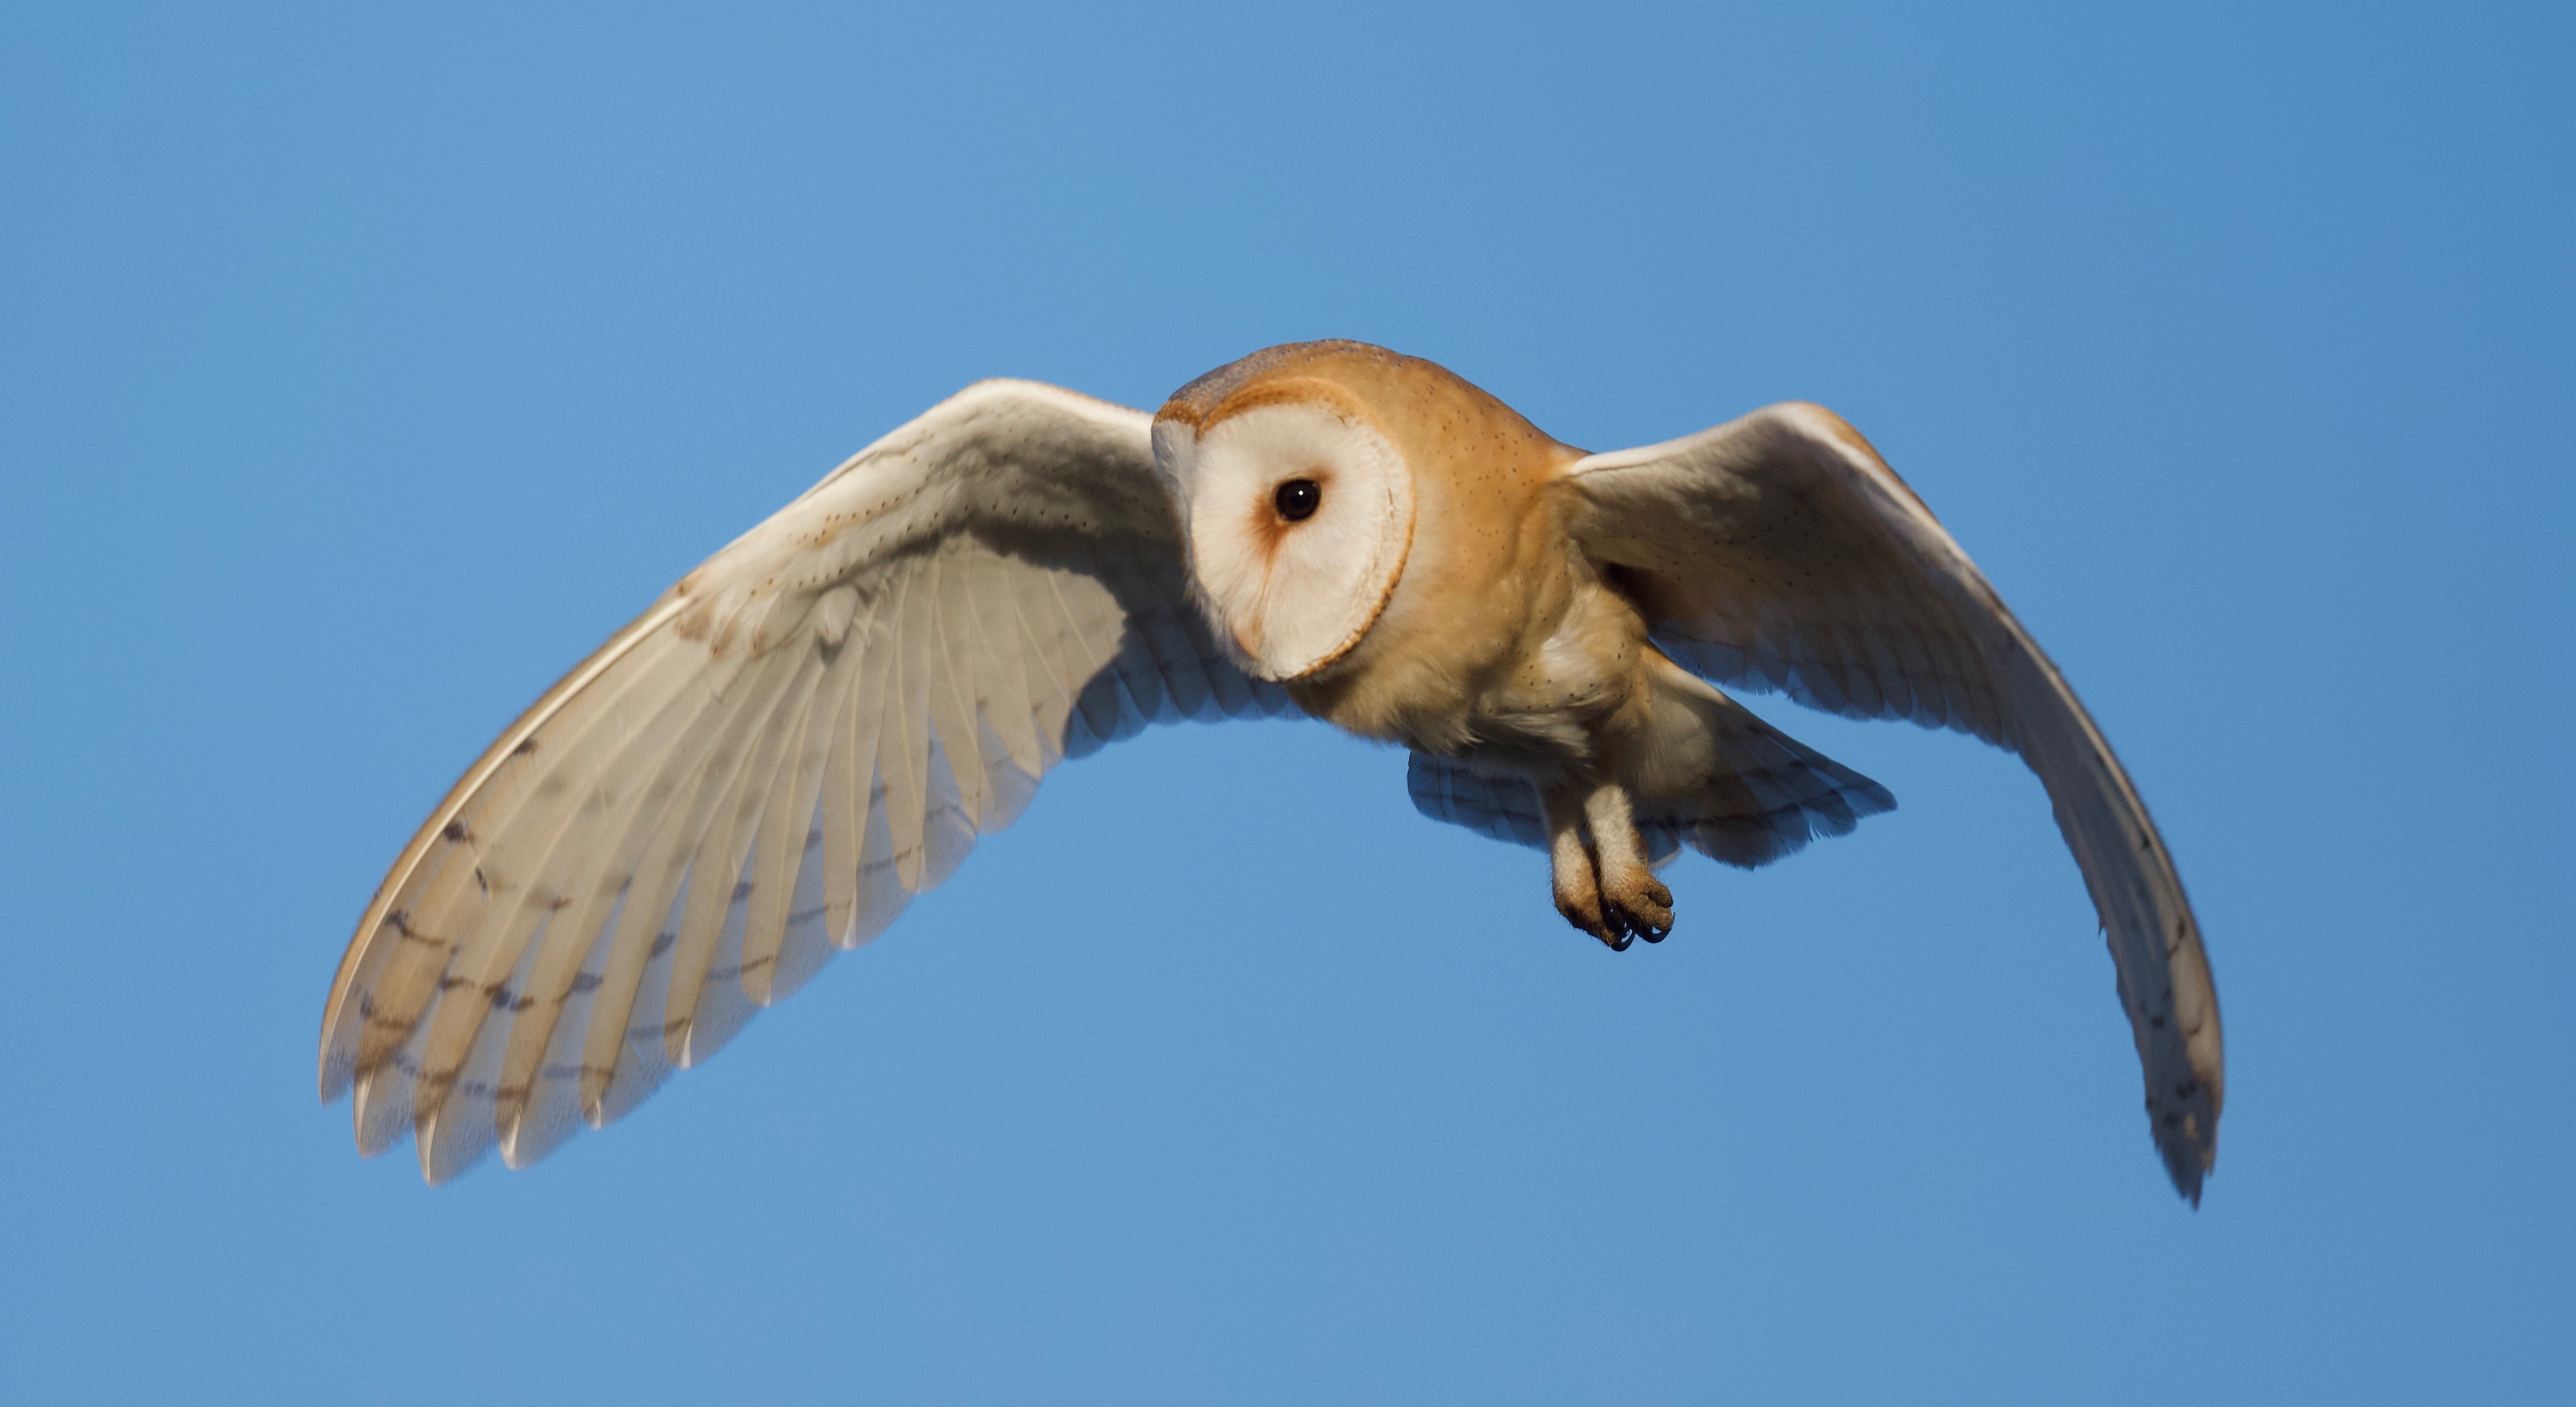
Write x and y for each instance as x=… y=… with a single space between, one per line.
x=1294 y=595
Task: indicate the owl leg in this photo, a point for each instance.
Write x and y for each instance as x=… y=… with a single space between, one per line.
x=1602 y=883
x=1574 y=884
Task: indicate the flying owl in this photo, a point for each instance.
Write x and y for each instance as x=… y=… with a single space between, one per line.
x=815 y=724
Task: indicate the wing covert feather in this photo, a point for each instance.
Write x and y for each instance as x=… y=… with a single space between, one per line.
x=1779 y=551
x=764 y=767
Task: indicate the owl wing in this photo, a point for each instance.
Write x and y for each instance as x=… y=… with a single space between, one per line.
x=1780 y=552
x=802 y=734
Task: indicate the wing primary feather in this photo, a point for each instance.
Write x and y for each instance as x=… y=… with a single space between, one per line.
x=806 y=945
x=1040 y=613
x=716 y=870
x=462 y=1132
x=464 y=927
x=903 y=744
x=947 y=830
x=379 y=938
x=546 y=1110
x=479 y=990
x=850 y=816
x=949 y=634
x=556 y=990
x=642 y=935
x=1011 y=699
x=882 y=893
x=720 y=1009
x=787 y=838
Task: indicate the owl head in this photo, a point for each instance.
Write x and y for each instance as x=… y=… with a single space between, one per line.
x=1297 y=503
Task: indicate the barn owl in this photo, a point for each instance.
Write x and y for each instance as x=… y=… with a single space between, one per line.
x=815 y=724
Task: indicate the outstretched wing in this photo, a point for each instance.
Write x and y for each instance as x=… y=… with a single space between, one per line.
x=766 y=766
x=1780 y=552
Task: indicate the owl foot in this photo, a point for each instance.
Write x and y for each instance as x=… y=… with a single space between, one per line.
x=1602 y=883
x=1636 y=898
x=1634 y=904
x=1601 y=877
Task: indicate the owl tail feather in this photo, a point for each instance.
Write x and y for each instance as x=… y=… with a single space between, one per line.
x=1720 y=780
x=1712 y=777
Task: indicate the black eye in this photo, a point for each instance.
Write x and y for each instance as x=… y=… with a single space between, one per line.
x=1298 y=499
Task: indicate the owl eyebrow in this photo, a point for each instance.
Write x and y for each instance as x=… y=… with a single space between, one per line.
x=1313 y=392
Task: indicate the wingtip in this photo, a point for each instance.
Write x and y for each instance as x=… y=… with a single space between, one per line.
x=333 y=1079
x=2189 y=1190
x=2189 y=1164
x=424 y=1140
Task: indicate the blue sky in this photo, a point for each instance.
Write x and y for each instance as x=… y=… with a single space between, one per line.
x=360 y=371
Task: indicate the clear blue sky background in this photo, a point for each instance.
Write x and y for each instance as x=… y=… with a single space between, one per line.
x=360 y=371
